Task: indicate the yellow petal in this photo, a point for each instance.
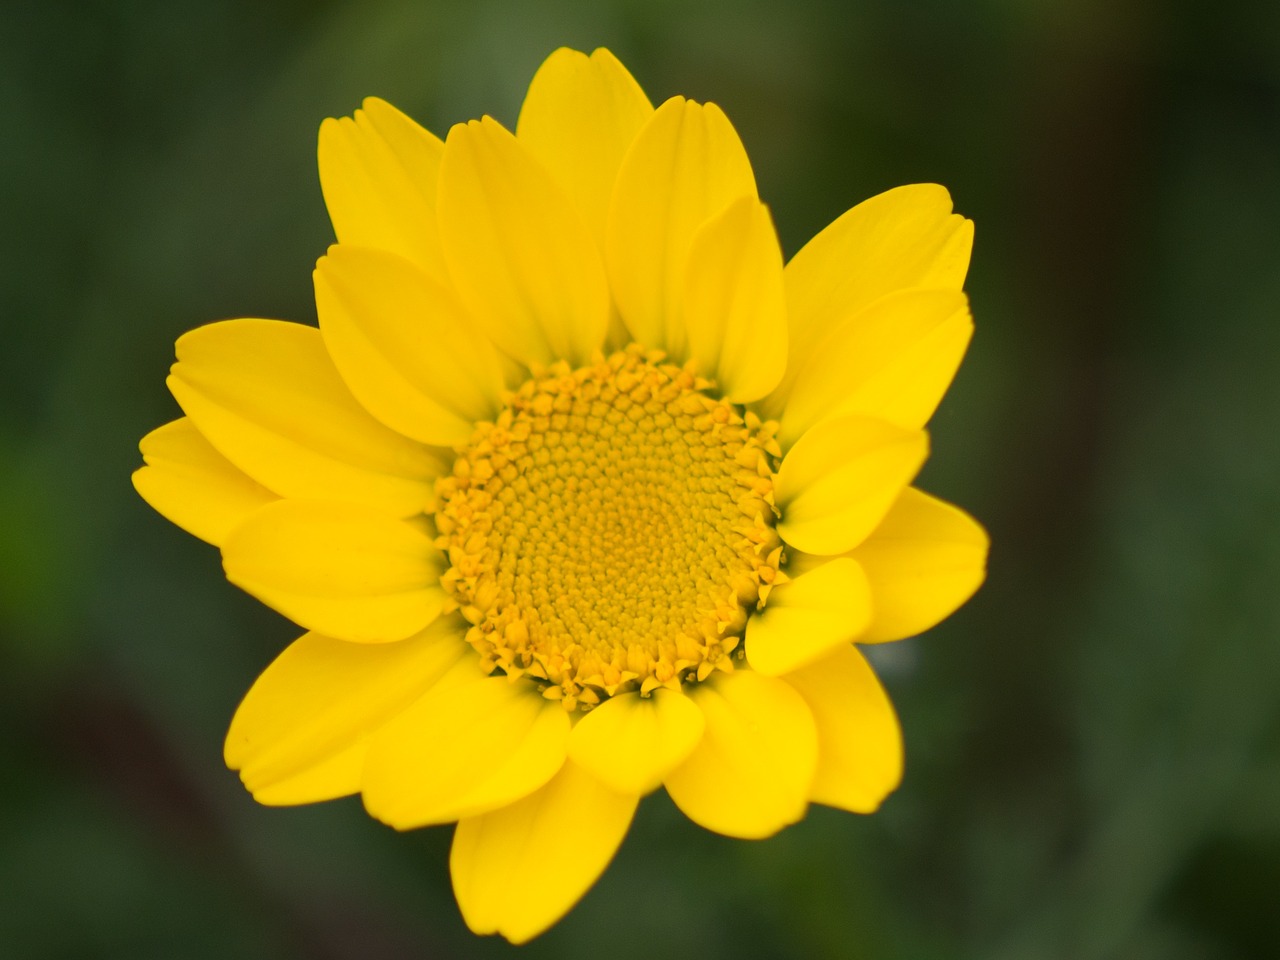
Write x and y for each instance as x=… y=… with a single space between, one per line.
x=923 y=561
x=267 y=396
x=405 y=347
x=341 y=569
x=685 y=166
x=523 y=260
x=518 y=870
x=808 y=617
x=335 y=776
x=859 y=742
x=905 y=237
x=578 y=119
x=299 y=730
x=893 y=360
x=840 y=479
x=734 y=308
x=191 y=484
x=379 y=172
x=471 y=744
x=750 y=774
x=632 y=742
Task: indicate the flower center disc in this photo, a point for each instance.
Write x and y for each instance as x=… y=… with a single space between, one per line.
x=611 y=529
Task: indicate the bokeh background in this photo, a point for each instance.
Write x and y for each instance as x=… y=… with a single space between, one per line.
x=1093 y=743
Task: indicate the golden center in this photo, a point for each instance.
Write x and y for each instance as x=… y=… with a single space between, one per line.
x=611 y=529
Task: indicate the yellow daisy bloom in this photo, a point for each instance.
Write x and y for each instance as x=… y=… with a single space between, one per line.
x=577 y=490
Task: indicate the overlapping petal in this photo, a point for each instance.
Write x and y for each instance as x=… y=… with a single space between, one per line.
x=905 y=237
x=469 y=745
x=632 y=742
x=379 y=172
x=685 y=166
x=341 y=569
x=893 y=360
x=518 y=870
x=859 y=740
x=299 y=734
x=192 y=485
x=266 y=395
x=751 y=773
x=335 y=775
x=840 y=479
x=405 y=346
x=522 y=258
x=923 y=561
x=579 y=117
x=734 y=306
x=808 y=617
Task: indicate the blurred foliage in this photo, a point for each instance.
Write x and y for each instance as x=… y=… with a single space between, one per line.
x=1093 y=743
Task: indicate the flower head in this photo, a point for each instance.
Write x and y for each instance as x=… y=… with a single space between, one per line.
x=576 y=489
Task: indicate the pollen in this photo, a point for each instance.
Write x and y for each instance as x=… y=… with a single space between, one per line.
x=611 y=529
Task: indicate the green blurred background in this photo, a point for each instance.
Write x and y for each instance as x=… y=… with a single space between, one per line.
x=1093 y=743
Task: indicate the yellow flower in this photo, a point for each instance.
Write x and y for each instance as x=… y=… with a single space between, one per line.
x=578 y=491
